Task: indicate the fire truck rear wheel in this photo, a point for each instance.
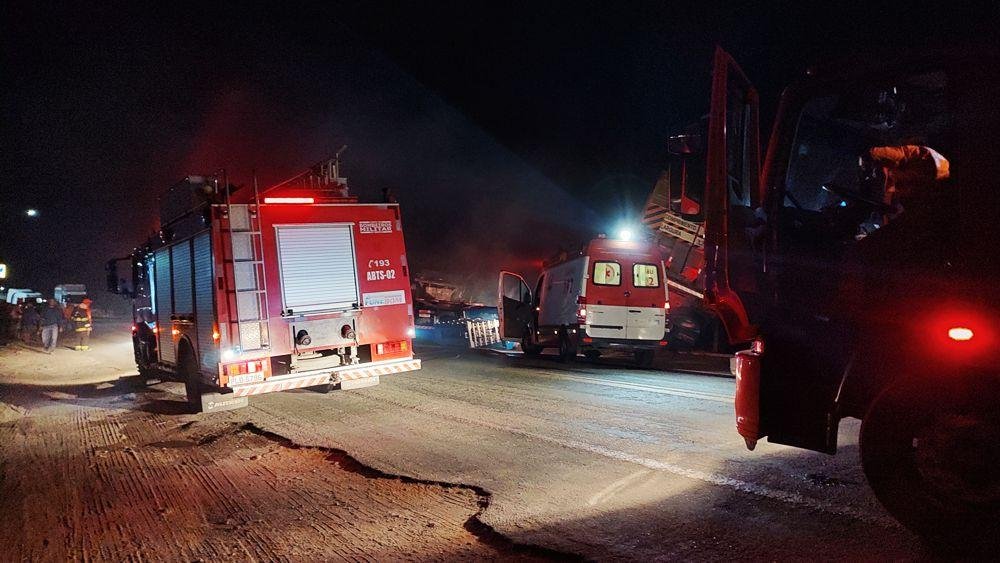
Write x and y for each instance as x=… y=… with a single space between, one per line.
x=188 y=369
x=567 y=348
x=931 y=456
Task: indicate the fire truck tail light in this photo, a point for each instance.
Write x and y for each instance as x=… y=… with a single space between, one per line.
x=666 y=306
x=411 y=332
x=175 y=331
x=289 y=200
x=240 y=368
x=581 y=312
x=960 y=334
x=391 y=347
x=757 y=347
x=134 y=328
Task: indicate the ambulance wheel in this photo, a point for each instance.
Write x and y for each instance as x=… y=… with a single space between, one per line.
x=930 y=455
x=567 y=348
x=529 y=348
x=644 y=358
x=188 y=368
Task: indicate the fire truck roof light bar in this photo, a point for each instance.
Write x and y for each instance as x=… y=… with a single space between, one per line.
x=289 y=200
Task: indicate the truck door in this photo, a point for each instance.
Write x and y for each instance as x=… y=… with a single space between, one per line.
x=734 y=237
x=514 y=306
x=608 y=291
x=645 y=301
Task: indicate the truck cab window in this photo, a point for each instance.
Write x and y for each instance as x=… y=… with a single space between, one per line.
x=645 y=275
x=607 y=273
x=824 y=184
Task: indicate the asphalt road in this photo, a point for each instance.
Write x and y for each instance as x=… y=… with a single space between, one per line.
x=599 y=461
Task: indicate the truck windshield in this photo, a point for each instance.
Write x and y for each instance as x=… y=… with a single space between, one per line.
x=835 y=128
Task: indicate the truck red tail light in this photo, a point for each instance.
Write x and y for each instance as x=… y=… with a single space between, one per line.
x=581 y=311
x=391 y=347
x=240 y=368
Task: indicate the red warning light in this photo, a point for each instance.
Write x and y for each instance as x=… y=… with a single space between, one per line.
x=289 y=200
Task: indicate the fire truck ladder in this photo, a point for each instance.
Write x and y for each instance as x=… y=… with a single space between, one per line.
x=246 y=295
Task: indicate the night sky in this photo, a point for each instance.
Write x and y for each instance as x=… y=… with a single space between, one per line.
x=506 y=130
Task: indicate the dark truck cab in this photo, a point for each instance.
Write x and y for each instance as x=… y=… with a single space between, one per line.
x=848 y=314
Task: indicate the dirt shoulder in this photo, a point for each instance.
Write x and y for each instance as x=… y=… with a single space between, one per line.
x=115 y=474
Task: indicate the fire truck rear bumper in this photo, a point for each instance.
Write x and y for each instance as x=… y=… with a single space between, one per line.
x=347 y=376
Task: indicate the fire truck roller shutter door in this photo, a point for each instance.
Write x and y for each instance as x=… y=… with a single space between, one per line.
x=318 y=267
x=208 y=352
x=164 y=306
x=180 y=256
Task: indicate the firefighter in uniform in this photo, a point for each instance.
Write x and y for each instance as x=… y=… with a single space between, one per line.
x=910 y=173
x=81 y=321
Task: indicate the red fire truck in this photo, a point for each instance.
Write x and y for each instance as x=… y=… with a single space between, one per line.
x=845 y=312
x=244 y=292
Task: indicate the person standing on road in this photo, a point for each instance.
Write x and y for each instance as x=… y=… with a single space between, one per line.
x=82 y=324
x=29 y=323
x=52 y=319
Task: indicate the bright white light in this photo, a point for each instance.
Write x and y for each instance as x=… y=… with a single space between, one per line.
x=32 y=213
x=625 y=234
x=411 y=332
x=228 y=354
x=960 y=334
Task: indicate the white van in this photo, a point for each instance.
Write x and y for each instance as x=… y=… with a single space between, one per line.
x=612 y=294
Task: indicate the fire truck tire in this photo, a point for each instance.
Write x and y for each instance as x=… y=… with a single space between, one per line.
x=592 y=355
x=188 y=368
x=931 y=459
x=644 y=358
x=567 y=348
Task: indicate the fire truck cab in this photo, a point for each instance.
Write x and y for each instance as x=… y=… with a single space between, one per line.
x=845 y=313
x=241 y=294
x=610 y=295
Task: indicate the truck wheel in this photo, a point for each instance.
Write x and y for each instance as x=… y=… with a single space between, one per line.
x=528 y=347
x=567 y=348
x=592 y=355
x=192 y=380
x=931 y=460
x=644 y=358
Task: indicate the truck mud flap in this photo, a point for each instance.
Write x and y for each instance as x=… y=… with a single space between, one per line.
x=215 y=402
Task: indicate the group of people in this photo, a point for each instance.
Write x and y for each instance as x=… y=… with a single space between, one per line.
x=34 y=323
